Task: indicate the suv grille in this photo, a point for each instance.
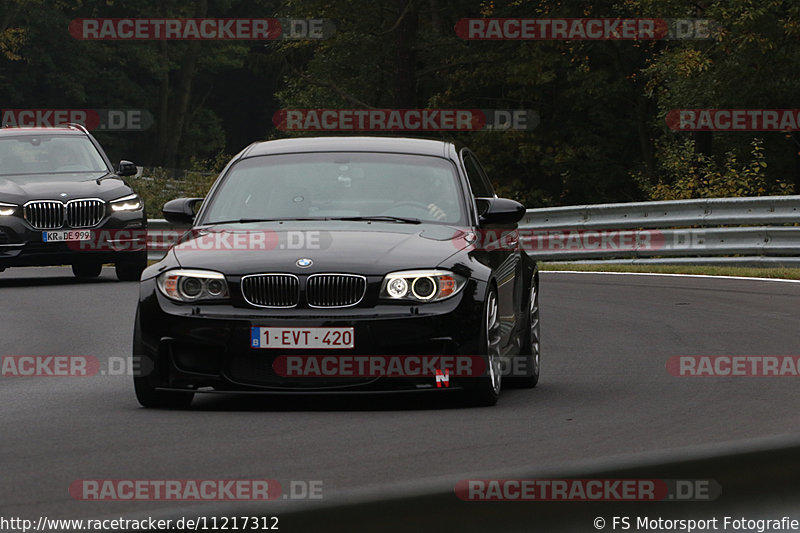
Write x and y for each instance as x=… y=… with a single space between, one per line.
x=335 y=290
x=85 y=213
x=271 y=290
x=44 y=214
x=52 y=214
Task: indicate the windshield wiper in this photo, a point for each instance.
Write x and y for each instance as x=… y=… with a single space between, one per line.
x=376 y=218
x=249 y=220
x=382 y=218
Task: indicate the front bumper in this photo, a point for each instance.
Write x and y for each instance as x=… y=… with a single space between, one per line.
x=197 y=346
x=22 y=245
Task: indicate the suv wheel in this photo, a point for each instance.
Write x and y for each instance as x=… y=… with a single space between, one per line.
x=87 y=269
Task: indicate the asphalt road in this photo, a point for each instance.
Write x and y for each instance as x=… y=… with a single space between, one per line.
x=604 y=392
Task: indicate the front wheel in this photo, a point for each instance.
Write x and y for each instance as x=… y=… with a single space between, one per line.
x=130 y=269
x=144 y=371
x=531 y=352
x=486 y=389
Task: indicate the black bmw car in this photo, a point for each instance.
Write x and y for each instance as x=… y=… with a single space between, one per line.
x=341 y=264
x=59 y=195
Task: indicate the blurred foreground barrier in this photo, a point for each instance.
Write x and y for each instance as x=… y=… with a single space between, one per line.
x=754 y=489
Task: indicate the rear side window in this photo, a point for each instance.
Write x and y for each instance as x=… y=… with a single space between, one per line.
x=477 y=178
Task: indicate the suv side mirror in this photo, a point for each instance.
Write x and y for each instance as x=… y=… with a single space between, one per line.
x=501 y=211
x=126 y=168
x=181 y=210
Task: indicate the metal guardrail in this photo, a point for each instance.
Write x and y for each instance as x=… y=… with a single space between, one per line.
x=160 y=224
x=671 y=214
x=674 y=232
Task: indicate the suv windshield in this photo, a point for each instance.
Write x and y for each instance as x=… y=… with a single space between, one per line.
x=338 y=185
x=49 y=154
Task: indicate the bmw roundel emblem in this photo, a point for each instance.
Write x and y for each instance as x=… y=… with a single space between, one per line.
x=304 y=262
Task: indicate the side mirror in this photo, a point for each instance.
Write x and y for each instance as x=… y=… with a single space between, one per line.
x=181 y=210
x=126 y=168
x=500 y=211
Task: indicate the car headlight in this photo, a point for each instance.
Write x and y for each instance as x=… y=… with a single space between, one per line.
x=421 y=285
x=127 y=203
x=7 y=209
x=193 y=285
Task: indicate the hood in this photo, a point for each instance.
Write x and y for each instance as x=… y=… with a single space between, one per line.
x=348 y=247
x=18 y=189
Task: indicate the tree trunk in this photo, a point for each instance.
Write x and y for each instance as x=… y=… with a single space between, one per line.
x=160 y=152
x=702 y=142
x=181 y=104
x=643 y=113
x=405 y=82
x=174 y=118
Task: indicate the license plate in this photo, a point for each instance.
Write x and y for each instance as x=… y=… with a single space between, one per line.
x=295 y=338
x=67 y=235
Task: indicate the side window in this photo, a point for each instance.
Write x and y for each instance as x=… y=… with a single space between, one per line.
x=477 y=178
x=483 y=173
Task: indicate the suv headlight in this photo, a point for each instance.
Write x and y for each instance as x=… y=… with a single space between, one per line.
x=193 y=285
x=421 y=285
x=127 y=203
x=7 y=209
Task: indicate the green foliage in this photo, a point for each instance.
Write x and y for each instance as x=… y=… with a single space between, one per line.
x=750 y=64
x=158 y=185
x=688 y=174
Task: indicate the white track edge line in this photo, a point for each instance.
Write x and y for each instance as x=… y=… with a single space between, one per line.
x=666 y=274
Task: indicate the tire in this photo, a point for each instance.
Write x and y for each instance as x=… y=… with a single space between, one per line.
x=531 y=351
x=485 y=390
x=130 y=270
x=87 y=269
x=146 y=393
x=148 y=396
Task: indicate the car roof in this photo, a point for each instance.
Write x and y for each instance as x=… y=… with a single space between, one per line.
x=38 y=130
x=401 y=145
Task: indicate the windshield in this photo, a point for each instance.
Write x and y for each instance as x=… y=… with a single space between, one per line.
x=338 y=185
x=49 y=154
